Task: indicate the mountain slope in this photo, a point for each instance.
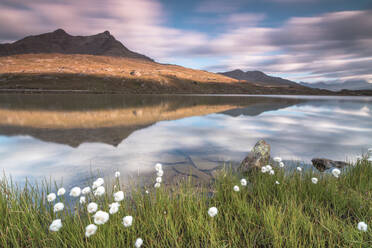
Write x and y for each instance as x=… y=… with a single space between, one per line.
x=259 y=77
x=349 y=85
x=61 y=42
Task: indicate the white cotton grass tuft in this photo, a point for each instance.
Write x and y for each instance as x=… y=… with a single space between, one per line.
x=82 y=200
x=101 y=217
x=314 y=180
x=75 y=192
x=278 y=159
x=158 y=167
x=117 y=174
x=127 y=221
x=147 y=192
x=158 y=180
x=114 y=207
x=268 y=168
x=92 y=207
x=157 y=185
x=160 y=173
x=118 y=196
x=85 y=191
x=90 y=230
x=213 y=211
x=236 y=188
x=56 y=225
x=61 y=191
x=299 y=169
x=99 y=191
x=276 y=182
x=243 y=182
x=98 y=182
x=51 y=197
x=138 y=243
x=281 y=164
x=58 y=207
x=362 y=226
x=336 y=172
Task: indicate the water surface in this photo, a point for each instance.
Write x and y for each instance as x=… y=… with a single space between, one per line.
x=69 y=137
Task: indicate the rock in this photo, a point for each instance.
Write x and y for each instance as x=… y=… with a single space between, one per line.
x=257 y=158
x=135 y=73
x=323 y=164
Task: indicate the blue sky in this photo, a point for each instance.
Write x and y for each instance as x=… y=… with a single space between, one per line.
x=303 y=40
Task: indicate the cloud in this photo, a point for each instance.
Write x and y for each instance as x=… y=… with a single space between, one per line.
x=219 y=6
x=329 y=46
x=138 y=23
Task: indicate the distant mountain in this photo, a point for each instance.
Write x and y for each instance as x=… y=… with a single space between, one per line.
x=259 y=77
x=348 y=85
x=61 y=42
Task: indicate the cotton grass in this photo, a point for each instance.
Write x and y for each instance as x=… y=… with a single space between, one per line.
x=258 y=216
x=90 y=230
x=51 y=197
x=213 y=211
x=336 y=173
x=362 y=226
x=61 y=191
x=118 y=196
x=58 y=207
x=56 y=225
x=127 y=221
x=101 y=217
x=75 y=192
x=92 y=207
x=138 y=243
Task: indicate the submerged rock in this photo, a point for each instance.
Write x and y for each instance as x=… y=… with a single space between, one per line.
x=323 y=164
x=257 y=158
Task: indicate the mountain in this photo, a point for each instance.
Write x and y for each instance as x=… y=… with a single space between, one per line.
x=259 y=77
x=61 y=42
x=348 y=85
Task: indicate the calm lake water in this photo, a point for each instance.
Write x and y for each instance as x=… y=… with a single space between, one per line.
x=70 y=137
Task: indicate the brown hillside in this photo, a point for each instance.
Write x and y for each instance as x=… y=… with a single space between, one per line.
x=102 y=74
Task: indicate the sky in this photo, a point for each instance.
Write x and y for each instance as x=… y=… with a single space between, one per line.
x=302 y=40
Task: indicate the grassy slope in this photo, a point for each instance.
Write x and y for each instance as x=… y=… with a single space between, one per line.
x=295 y=213
x=100 y=74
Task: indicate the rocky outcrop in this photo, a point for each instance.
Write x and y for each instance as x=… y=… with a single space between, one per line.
x=323 y=164
x=257 y=158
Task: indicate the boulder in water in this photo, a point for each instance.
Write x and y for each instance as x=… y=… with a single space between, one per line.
x=323 y=164
x=257 y=158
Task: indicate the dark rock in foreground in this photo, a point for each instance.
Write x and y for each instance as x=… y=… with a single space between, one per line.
x=257 y=158
x=323 y=164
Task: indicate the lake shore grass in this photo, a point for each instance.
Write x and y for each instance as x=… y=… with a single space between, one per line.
x=280 y=210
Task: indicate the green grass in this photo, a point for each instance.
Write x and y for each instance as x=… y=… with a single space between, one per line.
x=295 y=213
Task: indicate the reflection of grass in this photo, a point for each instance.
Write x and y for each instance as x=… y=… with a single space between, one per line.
x=295 y=213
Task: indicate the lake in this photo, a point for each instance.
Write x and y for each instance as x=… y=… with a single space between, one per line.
x=72 y=137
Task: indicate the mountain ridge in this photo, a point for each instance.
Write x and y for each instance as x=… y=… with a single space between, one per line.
x=59 y=41
x=346 y=85
x=260 y=78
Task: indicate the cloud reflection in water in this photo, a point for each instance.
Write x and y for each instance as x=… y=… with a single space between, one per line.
x=333 y=129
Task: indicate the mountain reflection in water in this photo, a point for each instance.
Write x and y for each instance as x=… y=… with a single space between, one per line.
x=69 y=136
